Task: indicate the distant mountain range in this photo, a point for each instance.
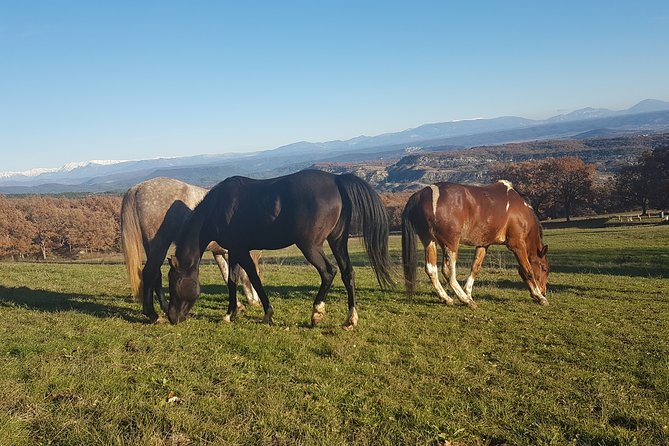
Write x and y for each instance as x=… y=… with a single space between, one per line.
x=648 y=116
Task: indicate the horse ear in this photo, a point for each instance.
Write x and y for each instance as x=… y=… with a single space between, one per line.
x=174 y=263
x=543 y=251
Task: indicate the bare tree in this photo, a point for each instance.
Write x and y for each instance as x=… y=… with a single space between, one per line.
x=634 y=184
x=553 y=186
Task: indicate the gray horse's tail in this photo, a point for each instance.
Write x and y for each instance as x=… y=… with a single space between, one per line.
x=131 y=242
x=367 y=207
x=409 y=258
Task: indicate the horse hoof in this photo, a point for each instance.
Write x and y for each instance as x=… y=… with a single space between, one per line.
x=353 y=317
x=448 y=302
x=316 y=318
x=161 y=320
x=268 y=317
x=318 y=314
x=153 y=317
x=229 y=317
x=347 y=327
x=472 y=305
x=543 y=302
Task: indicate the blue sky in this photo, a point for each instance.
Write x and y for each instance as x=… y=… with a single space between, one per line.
x=82 y=80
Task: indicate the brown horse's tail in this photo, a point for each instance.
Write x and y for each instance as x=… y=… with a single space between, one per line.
x=131 y=242
x=367 y=207
x=409 y=260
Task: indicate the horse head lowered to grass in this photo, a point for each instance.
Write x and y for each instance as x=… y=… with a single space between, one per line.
x=446 y=214
x=152 y=214
x=303 y=209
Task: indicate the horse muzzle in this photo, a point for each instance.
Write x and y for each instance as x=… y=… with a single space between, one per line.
x=175 y=316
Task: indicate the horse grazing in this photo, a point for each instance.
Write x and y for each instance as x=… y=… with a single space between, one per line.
x=305 y=209
x=152 y=214
x=445 y=214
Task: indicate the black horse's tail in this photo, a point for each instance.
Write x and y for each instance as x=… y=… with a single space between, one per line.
x=366 y=206
x=409 y=260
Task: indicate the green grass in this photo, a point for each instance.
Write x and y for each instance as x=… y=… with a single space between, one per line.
x=80 y=365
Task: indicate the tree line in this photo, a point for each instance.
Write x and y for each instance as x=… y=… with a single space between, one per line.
x=565 y=187
x=41 y=227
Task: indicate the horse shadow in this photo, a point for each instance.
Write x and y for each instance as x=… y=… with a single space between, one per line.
x=56 y=302
x=216 y=292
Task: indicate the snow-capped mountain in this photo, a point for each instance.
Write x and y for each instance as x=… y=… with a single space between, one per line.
x=69 y=167
x=104 y=175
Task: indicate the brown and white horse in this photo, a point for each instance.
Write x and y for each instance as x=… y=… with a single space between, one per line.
x=446 y=214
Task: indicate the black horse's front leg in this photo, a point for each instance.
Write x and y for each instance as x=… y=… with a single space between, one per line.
x=246 y=261
x=232 y=289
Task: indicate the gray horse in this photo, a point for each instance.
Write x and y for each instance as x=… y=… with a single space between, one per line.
x=152 y=214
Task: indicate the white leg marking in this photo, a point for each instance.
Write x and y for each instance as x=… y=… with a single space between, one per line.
x=469 y=285
x=352 y=320
x=435 y=199
x=507 y=206
x=318 y=314
x=453 y=281
x=433 y=273
x=536 y=294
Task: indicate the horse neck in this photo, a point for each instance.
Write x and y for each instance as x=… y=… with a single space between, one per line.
x=534 y=237
x=191 y=244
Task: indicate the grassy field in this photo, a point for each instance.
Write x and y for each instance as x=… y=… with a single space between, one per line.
x=81 y=366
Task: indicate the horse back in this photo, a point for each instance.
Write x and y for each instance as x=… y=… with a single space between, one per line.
x=163 y=205
x=275 y=212
x=473 y=215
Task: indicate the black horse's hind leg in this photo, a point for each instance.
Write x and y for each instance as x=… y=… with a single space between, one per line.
x=233 y=266
x=339 y=248
x=316 y=256
x=244 y=260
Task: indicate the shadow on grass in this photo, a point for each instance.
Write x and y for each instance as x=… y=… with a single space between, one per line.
x=51 y=301
x=631 y=271
x=288 y=292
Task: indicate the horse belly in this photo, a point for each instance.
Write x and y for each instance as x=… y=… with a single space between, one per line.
x=482 y=235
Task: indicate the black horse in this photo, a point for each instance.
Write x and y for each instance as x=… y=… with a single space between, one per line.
x=304 y=209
